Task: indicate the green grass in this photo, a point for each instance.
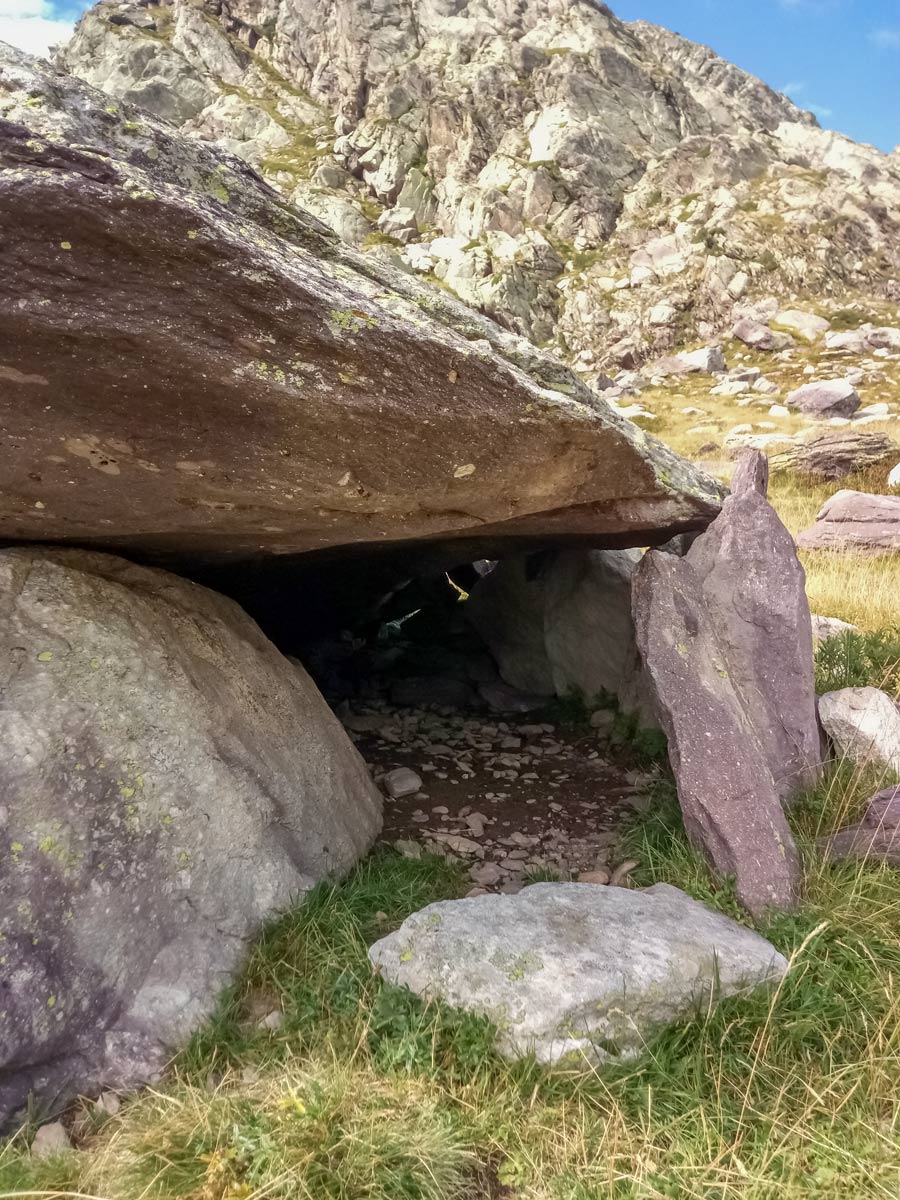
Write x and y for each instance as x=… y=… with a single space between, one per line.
x=366 y=1093
x=860 y=660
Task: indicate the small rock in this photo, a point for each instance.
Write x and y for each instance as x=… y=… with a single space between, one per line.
x=486 y=874
x=596 y=876
x=401 y=782
x=408 y=849
x=49 y=1140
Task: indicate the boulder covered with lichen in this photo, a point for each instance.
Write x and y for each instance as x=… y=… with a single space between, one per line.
x=194 y=370
x=168 y=781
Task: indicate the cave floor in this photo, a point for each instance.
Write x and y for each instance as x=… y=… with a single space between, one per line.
x=515 y=799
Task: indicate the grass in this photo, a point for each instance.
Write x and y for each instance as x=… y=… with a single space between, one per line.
x=366 y=1093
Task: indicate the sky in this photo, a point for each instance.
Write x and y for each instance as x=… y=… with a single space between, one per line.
x=838 y=58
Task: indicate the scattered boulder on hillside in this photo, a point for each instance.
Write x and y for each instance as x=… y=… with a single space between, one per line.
x=576 y=969
x=758 y=336
x=876 y=836
x=804 y=324
x=851 y=520
x=252 y=404
x=830 y=398
x=836 y=454
x=708 y=360
x=559 y=621
x=825 y=628
x=725 y=639
x=864 y=726
x=168 y=782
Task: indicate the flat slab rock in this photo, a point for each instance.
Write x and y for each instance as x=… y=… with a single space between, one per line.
x=256 y=379
x=864 y=725
x=855 y=521
x=572 y=968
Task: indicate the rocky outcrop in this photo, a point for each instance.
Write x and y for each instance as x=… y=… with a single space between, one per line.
x=825 y=628
x=864 y=726
x=576 y=969
x=607 y=186
x=193 y=370
x=725 y=639
x=560 y=622
x=168 y=782
x=855 y=521
x=836 y=454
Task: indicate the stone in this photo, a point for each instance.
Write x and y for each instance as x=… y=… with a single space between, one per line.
x=574 y=969
x=50 y=1140
x=402 y=782
x=864 y=726
x=835 y=455
x=486 y=874
x=804 y=324
x=828 y=398
x=710 y=360
x=399 y=223
x=754 y=588
x=726 y=642
x=599 y=877
x=824 y=628
x=277 y=368
x=729 y=801
x=560 y=621
x=441 y=690
x=876 y=837
x=760 y=337
x=172 y=781
x=859 y=521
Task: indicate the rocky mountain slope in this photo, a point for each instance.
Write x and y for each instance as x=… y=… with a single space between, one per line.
x=607 y=189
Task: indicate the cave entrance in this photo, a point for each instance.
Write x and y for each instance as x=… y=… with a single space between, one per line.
x=438 y=676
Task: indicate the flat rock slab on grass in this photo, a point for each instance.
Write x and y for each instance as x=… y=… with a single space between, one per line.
x=836 y=454
x=855 y=521
x=864 y=725
x=877 y=836
x=565 y=968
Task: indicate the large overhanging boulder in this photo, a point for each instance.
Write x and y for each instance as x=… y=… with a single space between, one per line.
x=195 y=372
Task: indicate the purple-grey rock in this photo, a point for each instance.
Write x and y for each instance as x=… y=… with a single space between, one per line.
x=830 y=398
x=855 y=521
x=877 y=836
x=760 y=337
x=754 y=587
x=731 y=807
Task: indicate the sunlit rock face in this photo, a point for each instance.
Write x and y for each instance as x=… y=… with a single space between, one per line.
x=608 y=188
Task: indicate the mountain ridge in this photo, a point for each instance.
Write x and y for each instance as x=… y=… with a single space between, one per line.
x=609 y=190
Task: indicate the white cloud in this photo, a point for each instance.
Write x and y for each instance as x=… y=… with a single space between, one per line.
x=789 y=89
x=31 y=25
x=821 y=111
x=886 y=39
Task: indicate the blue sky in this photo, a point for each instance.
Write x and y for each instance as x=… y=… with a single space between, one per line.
x=838 y=58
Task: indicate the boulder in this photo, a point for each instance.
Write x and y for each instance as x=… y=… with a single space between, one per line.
x=830 y=398
x=876 y=836
x=760 y=337
x=864 y=726
x=728 y=798
x=825 y=628
x=197 y=372
x=851 y=520
x=804 y=324
x=169 y=781
x=576 y=969
x=754 y=587
x=709 y=359
x=725 y=640
x=560 y=621
x=836 y=454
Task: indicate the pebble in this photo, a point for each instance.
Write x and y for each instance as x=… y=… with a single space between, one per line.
x=402 y=782
x=49 y=1140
